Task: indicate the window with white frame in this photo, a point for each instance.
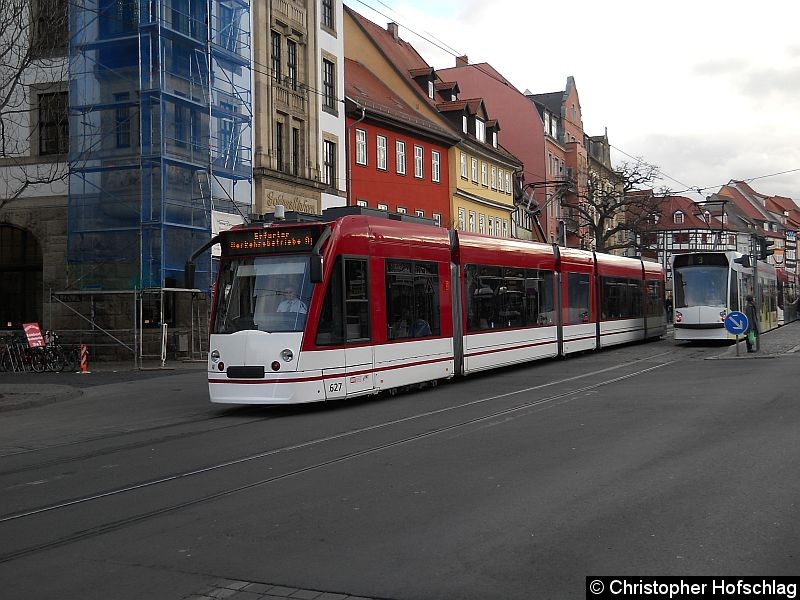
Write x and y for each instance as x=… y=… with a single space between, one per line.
x=484 y=174
x=464 y=124
x=472 y=220
x=480 y=130
x=435 y=168
x=501 y=181
x=328 y=84
x=418 y=162
x=430 y=89
x=402 y=210
x=505 y=227
x=494 y=177
x=475 y=170
x=508 y=183
x=382 y=206
x=361 y=203
x=678 y=217
x=329 y=163
x=361 y=147
x=419 y=213
x=463 y=165
x=494 y=139
x=400 y=156
x=437 y=218
x=380 y=155
x=482 y=223
x=491 y=225
x=547 y=122
x=462 y=219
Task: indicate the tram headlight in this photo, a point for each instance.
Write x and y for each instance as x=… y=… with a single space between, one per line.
x=214 y=356
x=722 y=315
x=678 y=316
x=287 y=355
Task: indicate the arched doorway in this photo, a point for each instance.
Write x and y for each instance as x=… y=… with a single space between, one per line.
x=20 y=278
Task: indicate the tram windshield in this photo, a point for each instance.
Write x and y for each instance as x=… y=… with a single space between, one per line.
x=264 y=293
x=701 y=285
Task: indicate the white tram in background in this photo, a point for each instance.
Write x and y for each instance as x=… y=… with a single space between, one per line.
x=361 y=301
x=709 y=285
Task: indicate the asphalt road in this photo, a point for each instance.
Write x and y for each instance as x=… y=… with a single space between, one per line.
x=642 y=460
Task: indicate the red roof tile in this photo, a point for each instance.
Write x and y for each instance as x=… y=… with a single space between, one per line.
x=365 y=88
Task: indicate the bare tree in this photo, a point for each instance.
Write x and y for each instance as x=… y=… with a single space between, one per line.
x=609 y=204
x=33 y=63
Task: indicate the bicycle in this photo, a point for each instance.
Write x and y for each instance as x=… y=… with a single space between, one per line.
x=58 y=357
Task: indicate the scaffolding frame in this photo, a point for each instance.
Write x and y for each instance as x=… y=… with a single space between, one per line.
x=161 y=125
x=196 y=349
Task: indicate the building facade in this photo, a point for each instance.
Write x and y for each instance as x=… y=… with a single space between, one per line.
x=565 y=163
x=406 y=73
x=34 y=146
x=398 y=160
x=522 y=135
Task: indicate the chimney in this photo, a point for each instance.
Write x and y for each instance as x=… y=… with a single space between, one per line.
x=462 y=61
x=393 y=29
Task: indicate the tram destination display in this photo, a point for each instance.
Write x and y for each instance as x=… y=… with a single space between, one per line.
x=236 y=242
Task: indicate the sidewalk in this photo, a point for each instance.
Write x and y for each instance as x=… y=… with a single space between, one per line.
x=783 y=341
x=26 y=390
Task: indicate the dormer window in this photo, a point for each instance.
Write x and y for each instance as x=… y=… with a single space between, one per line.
x=465 y=124
x=494 y=139
x=480 y=130
x=678 y=217
x=430 y=89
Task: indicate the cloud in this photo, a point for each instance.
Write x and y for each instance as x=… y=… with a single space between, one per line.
x=697 y=161
x=719 y=67
x=773 y=83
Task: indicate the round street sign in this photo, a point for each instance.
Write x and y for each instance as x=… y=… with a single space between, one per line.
x=736 y=322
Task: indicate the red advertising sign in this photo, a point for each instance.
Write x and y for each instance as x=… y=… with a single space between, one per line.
x=34 y=335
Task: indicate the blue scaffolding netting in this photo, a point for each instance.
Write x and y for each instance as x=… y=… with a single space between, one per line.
x=160 y=136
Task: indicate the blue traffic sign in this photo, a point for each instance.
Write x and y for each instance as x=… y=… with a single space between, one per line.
x=736 y=322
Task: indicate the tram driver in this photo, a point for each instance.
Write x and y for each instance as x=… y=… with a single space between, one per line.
x=292 y=303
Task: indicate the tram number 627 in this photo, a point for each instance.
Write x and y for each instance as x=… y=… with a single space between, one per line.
x=335 y=387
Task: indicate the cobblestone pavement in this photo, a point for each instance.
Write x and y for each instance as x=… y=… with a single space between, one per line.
x=231 y=589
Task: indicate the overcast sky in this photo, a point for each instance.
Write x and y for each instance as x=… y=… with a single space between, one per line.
x=708 y=90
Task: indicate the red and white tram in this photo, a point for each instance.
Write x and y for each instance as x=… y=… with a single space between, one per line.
x=360 y=301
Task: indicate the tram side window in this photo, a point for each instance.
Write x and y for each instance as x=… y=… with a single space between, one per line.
x=356 y=300
x=330 y=331
x=412 y=299
x=578 y=288
x=734 y=287
x=655 y=304
x=507 y=297
x=621 y=298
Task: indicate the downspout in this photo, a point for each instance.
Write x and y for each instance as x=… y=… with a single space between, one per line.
x=348 y=155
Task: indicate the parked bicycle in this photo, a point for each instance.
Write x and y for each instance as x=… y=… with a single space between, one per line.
x=16 y=356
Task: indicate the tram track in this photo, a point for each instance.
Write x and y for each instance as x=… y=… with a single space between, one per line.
x=127 y=446
x=540 y=403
